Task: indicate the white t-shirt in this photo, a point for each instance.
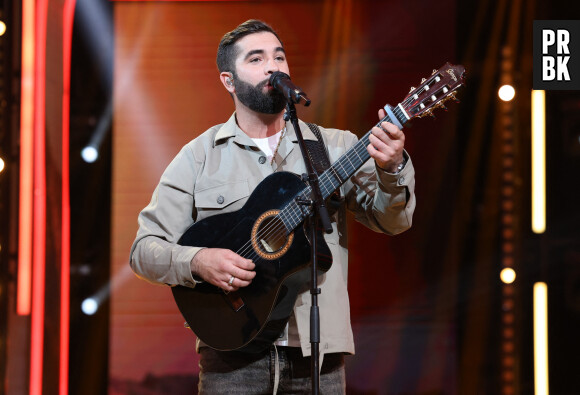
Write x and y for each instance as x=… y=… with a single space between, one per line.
x=268 y=144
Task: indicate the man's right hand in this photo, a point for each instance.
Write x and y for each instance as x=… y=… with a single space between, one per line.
x=218 y=266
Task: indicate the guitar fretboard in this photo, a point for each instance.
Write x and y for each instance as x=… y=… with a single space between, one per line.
x=336 y=175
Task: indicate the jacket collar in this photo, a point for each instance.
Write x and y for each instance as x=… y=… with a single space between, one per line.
x=231 y=129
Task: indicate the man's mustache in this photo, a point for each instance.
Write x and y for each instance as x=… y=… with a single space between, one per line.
x=262 y=84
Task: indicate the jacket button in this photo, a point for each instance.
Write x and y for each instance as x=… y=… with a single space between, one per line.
x=220 y=199
x=401 y=181
x=262 y=159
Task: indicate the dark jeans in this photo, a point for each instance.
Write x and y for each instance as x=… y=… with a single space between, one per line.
x=243 y=373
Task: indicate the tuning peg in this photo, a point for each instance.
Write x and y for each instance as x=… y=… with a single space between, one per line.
x=434 y=72
x=423 y=80
x=412 y=89
x=430 y=113
x=453 y=97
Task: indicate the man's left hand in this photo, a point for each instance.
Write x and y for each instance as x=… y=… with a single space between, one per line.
x=386 y=145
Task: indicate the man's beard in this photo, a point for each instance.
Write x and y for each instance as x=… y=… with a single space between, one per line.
x=271 y=102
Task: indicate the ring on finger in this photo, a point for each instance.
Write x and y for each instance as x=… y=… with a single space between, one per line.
x=232 y=278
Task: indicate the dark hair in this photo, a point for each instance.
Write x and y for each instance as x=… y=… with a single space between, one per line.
x=227 y=50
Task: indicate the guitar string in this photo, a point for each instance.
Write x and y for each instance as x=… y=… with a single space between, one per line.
x=262 y=234
x=279 y=227
x=325 y=178
x=360 y=146
x=296 y=213
x=422 y=90
x=267 y=231
x=398 y=112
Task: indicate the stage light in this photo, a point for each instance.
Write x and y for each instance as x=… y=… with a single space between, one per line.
x=538 y=161
x=91 y=151
x=90 y=154
x=89 y=306
x=1 y=164
x=506 y=92
x=27 y=81
x=541 y=383
x=2 y=28
x=507 y=275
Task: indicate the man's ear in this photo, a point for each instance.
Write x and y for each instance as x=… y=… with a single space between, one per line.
x=228 y=81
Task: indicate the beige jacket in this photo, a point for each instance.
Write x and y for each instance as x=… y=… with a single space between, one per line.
x=217 y=171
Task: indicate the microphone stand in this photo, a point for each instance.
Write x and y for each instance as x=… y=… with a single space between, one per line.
x=317 y=211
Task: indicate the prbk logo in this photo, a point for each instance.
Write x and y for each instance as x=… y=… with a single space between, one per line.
x=556 y=55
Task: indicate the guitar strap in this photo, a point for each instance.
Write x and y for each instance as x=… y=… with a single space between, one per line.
x=320 y=160
x=317 y=150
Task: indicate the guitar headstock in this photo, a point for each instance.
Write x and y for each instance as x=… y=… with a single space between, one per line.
x=434 y=91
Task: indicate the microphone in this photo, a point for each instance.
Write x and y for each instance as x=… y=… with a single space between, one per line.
x=281 y=82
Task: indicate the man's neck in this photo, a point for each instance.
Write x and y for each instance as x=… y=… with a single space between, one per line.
x=258 y=125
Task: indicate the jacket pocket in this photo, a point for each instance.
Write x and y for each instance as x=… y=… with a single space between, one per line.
x=221 y=196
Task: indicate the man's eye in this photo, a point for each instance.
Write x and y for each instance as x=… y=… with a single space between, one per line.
x=254 y=60
x=280 y=58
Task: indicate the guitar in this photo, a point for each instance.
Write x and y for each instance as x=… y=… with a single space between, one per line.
x=267 y=229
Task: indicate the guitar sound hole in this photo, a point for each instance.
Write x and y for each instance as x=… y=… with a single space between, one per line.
x=269 y=237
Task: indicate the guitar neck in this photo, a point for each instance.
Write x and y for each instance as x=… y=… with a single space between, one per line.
x=336 y=175
x=420 y=102
x=354 y=158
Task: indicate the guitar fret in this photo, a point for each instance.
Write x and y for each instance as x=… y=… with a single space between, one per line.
x=356 y=153
x=287 y=216
x=363 y=156
x=333 y=177
x=339 y=167
x=349 y=162
x=335 y=173
x=327 y=180
x=323 y=188
x=329 y=184
x=344 y=165
x=323 y=180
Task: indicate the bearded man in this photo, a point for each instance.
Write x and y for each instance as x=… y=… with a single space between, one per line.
x=217 y=171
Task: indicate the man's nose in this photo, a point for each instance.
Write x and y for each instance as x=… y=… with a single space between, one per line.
x=271 y=66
